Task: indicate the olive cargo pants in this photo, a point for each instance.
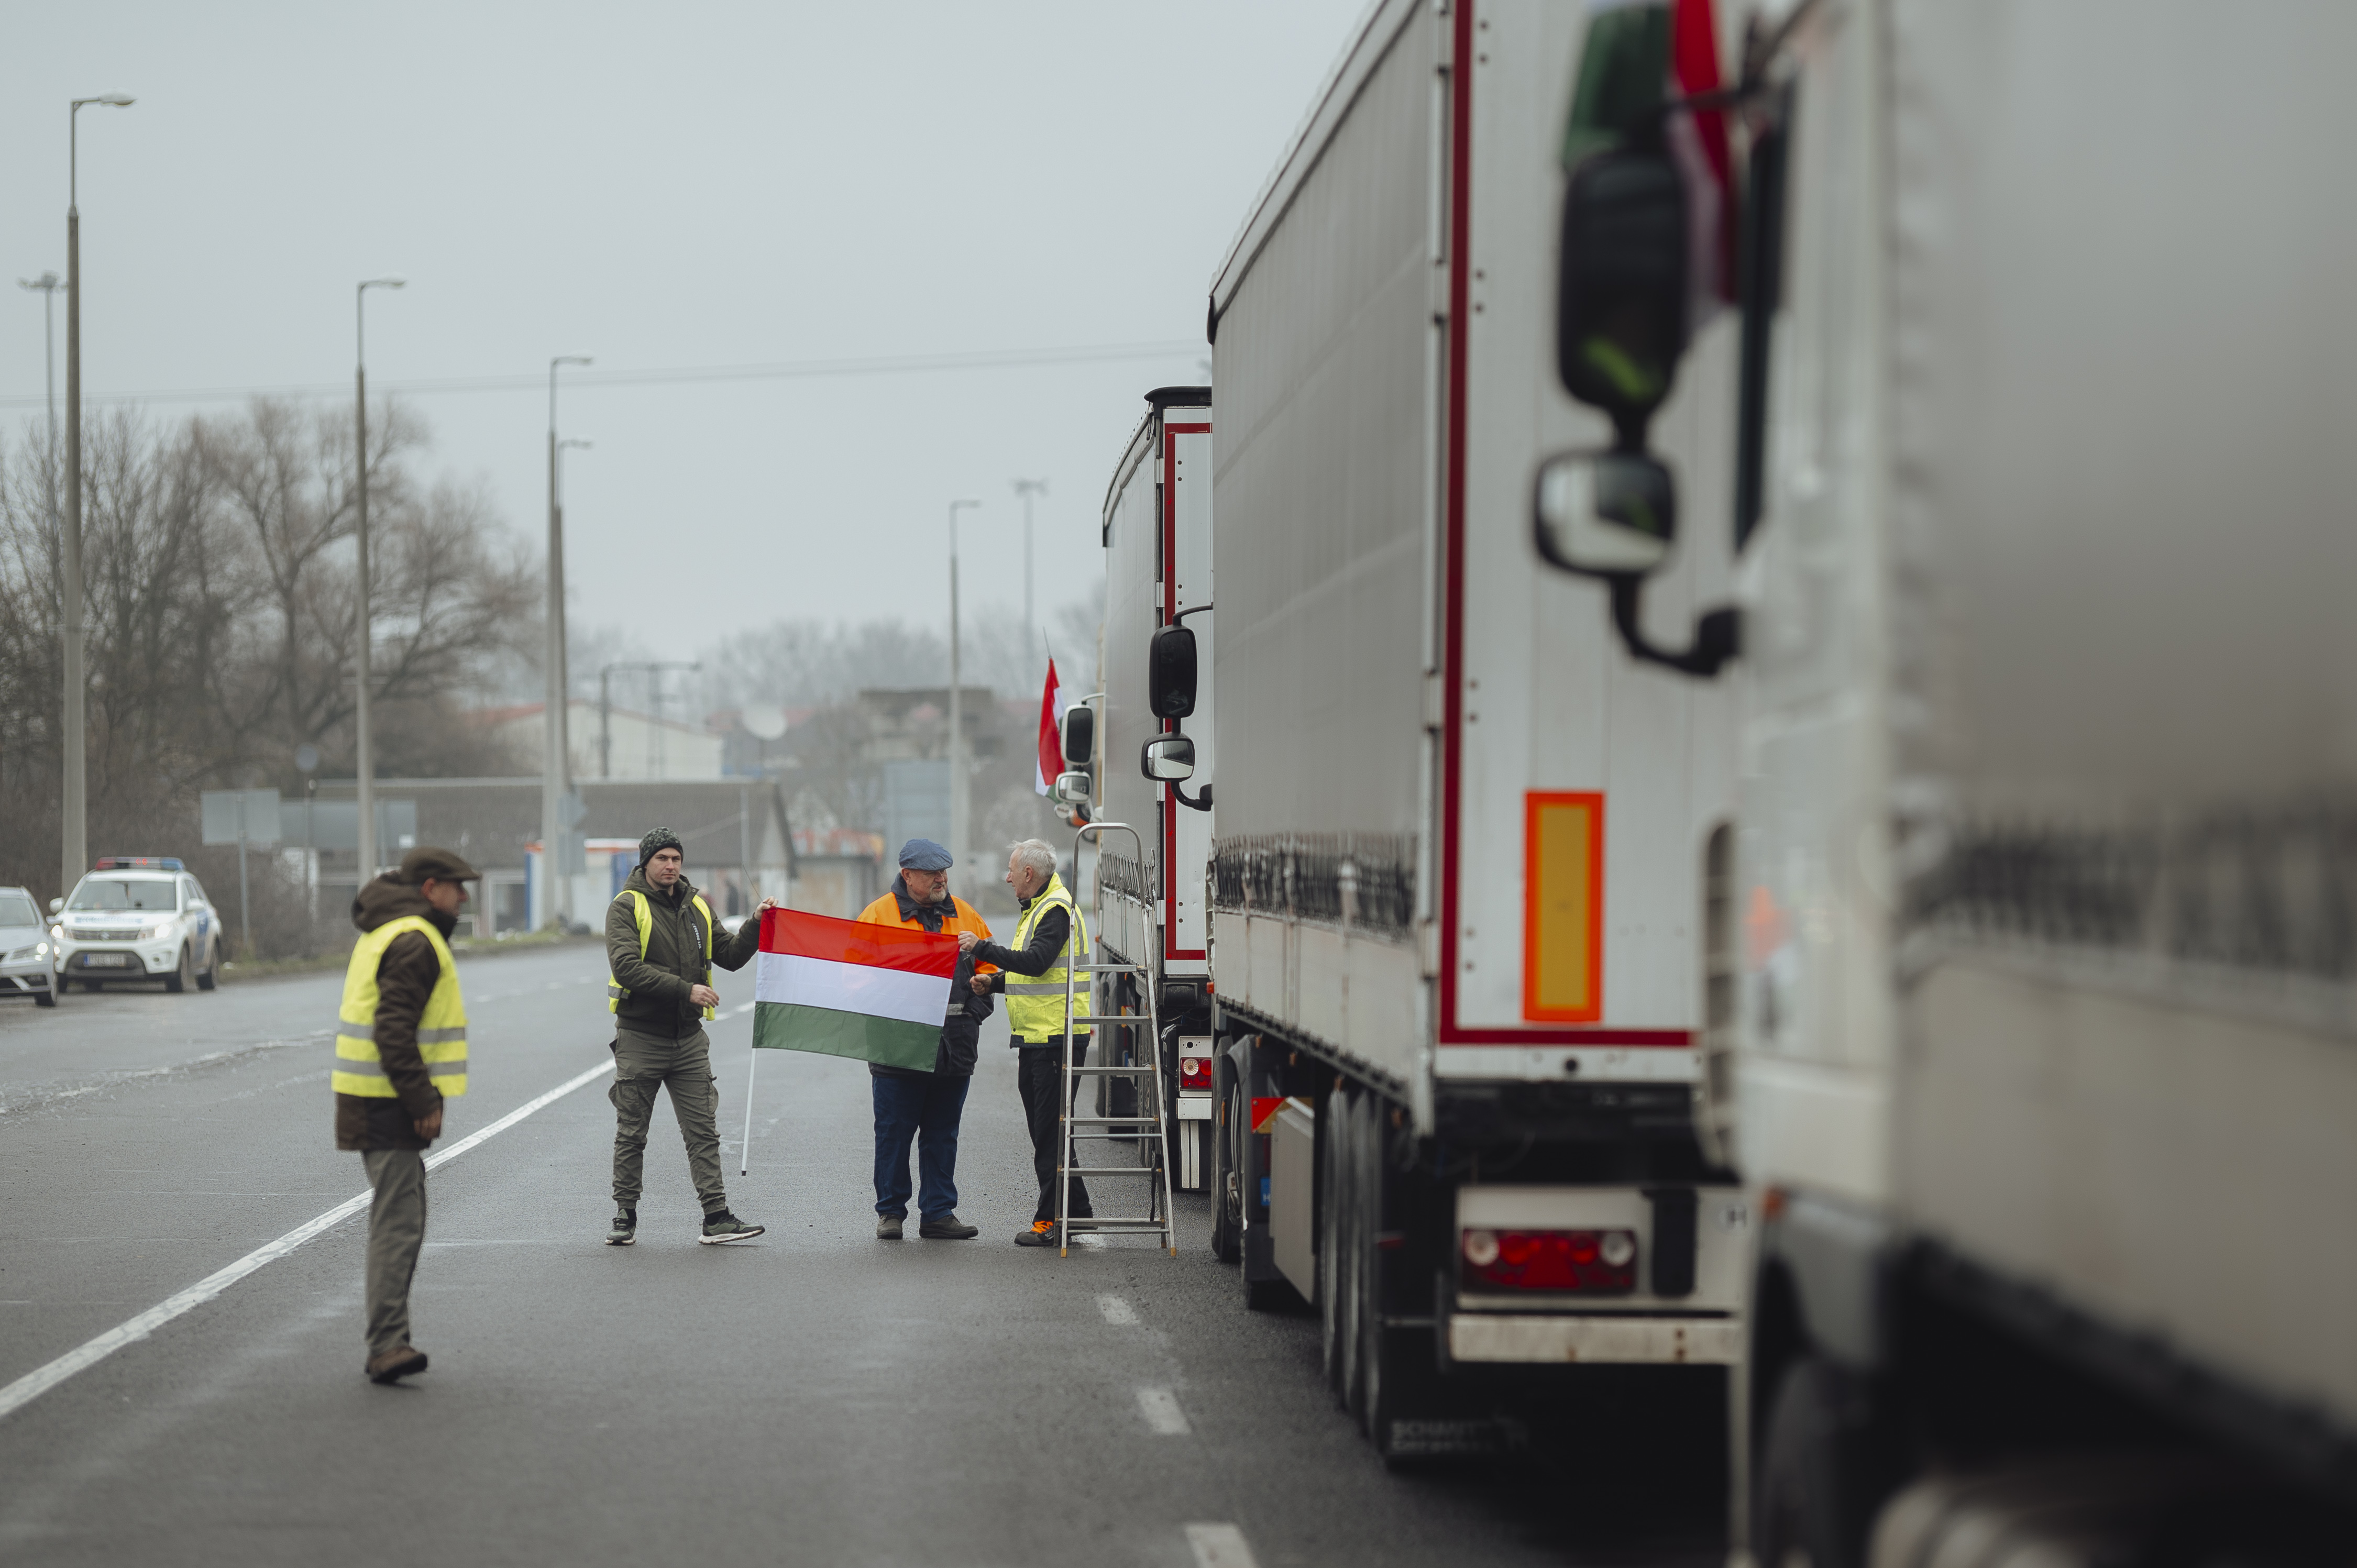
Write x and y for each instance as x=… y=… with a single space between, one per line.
x=396 y=1231
x=642 y=1065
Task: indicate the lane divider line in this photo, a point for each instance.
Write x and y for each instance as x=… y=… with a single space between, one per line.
x=1115 y=1310
x=40 y=1380
x=1220 y=1546
x=1160 y=1408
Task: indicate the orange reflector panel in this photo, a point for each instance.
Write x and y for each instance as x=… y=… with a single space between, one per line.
x=1563 y=906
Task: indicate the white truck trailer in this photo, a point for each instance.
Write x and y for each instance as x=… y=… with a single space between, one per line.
x=2045 y=1046
x=1458 y=869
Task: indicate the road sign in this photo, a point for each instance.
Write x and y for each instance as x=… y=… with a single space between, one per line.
x=241 y=816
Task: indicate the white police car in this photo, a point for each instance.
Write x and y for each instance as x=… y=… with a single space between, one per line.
x=137 y=917
x=24 y=958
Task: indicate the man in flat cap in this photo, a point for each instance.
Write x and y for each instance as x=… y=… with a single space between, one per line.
x=401 y=1050
x=912 y=1104
x=661 y=944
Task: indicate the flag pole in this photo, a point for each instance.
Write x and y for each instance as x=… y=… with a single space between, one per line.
x=744 y=1153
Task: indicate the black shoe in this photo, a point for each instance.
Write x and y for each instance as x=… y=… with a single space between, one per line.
x=725 y=1227
x=949 y=1228
x=626 y=1227
x=398 y=1362
x=888 y=1227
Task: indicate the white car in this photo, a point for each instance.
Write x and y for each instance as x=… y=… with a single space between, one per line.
x=26 y=965
x=137 y=918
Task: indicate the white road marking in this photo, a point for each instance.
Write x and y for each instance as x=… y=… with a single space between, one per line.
x=1160 y=1408
x=740 y=1012
x=1220 y=1546
x=1115 y=1310
x=40 y=1380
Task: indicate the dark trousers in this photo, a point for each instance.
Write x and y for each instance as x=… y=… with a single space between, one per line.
x=1039 y=1074
x=926 y=1109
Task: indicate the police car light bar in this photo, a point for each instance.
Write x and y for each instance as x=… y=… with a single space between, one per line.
x=139 y=863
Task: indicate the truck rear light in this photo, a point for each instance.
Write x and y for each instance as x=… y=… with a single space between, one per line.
x=1195 y=1072
x=1550 y=1260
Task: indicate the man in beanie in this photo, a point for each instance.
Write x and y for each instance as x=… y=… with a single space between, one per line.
x=911 y=1103
x=400 y=1049
x=661 y=944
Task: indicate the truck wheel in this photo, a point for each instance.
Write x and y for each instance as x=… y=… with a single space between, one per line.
x=210 y=975
x=182 y=973
x=1820 y=1481
x=1395 y=1364
x=1227 y=1173
x=1338 y=1248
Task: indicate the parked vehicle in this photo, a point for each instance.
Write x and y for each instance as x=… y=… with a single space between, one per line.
x=1458 y=860
x=27 y=966
x=2042 y=1048
x=137 y=918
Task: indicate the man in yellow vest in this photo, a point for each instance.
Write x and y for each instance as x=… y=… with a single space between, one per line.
x=1050 y=938
x=661 y=944
x=401 y=1049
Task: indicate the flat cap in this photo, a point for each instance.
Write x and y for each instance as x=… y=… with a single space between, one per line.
x=924 y=854
x=442 y=865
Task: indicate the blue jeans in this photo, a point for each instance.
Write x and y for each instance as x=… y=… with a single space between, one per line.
x=927 y=1110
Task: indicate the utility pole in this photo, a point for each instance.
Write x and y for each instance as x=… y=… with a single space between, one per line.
x=73 y=807
x=365 y=634
x=1027 y=489
x=957 y=706
x=556 y=764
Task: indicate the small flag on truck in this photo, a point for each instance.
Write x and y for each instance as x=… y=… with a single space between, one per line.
x=845 y=988
x=1050 y=760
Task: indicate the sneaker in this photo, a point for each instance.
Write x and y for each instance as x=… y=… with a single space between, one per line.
x=725 y=1227
x=1041 y=1234
x=398 y=1362
x=626 y=1227
x=948 y=1228
x=888 y=1227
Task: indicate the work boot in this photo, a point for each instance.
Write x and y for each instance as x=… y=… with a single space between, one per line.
x=398 y=1362
x=626 y=1227
x=725 y=1227
x=888 y=1227
x=1041 y=1234
x=948 y=1228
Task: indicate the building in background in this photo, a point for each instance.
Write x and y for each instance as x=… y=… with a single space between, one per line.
x=614 y=743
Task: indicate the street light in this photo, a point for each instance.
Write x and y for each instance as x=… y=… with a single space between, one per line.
x=555 y=763
x=957 y=705
x=72 y=813
x=364 y=761
x=1027 y=489
x=46 y=285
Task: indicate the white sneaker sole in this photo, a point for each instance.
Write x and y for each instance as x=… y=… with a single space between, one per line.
x=625 y=1242
x=740 y=1236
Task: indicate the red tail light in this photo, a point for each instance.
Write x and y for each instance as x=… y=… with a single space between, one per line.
x=1195 y=1072
x=1550 y=1260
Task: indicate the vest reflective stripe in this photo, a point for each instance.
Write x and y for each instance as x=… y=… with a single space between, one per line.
x=1035 y=1003
x=441 y=1027
x=615 y=989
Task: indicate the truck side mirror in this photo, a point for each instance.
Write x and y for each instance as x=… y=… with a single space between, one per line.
x=1071 y=788
x=1168 y=759
x=1080 y=735
x=1605 y=514
x=1170 y=673
x=1620 y=279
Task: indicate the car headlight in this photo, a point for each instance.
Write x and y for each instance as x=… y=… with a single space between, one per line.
x=21 y=954
x=161 y=928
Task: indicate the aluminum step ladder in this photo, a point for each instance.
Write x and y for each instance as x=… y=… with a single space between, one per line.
x=1149 y=1129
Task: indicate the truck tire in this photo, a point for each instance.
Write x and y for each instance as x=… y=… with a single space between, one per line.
x=1227 y=1169
x=1338 y=1253
x=1395 y=1364
x=1822 y=1472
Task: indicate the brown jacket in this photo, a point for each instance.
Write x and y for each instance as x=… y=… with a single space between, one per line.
x=658 y=1004
x=405 y=977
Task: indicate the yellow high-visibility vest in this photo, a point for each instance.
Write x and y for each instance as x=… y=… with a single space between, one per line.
x=615 y=989
x=441 y=1028
x=1035 y=1004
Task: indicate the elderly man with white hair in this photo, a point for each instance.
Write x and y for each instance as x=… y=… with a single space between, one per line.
x=1050 y=938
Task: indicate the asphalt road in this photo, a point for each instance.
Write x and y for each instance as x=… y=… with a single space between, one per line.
x=814 y=1396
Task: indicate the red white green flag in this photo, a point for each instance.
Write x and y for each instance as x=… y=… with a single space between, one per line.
x=851 y=988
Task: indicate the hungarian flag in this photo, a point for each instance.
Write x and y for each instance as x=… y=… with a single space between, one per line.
x=1050 y=760
x=848 y=988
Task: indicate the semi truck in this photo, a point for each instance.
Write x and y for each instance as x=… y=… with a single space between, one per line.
x=2039 y=1044
x=1451 y=995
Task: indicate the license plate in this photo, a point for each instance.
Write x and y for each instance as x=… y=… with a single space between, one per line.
x=107 y=961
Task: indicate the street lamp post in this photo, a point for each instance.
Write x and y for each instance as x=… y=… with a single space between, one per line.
x=957 y=705
x=365 y=631
x=47 y=285
x=1027 y=489
x=72 y=808
x=556 y=766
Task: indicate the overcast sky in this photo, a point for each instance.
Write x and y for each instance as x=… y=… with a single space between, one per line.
x=664 y=188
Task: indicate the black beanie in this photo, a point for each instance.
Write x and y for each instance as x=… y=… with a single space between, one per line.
x=661 y=839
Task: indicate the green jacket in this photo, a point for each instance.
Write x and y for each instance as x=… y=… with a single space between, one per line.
x=658 y=1002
